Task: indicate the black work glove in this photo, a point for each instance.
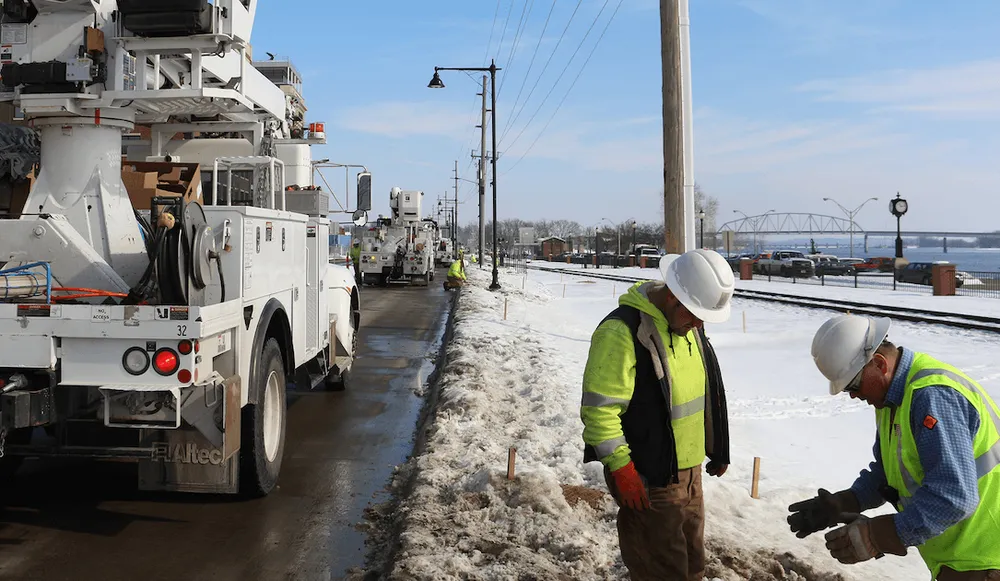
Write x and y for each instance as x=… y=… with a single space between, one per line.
x=820 y=512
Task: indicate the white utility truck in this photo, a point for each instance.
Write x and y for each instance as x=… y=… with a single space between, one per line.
x=155 y=309
x=401 y=247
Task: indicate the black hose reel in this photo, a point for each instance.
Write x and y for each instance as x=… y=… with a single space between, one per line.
x=188 y=264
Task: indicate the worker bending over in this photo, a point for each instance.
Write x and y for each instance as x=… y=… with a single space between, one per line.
x=936 y=454
x=456 y=273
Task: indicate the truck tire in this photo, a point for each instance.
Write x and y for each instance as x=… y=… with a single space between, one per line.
x=264 y=426
x=9 y=464
x=783 y=271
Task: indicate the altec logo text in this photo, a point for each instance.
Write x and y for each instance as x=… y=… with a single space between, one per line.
x=188 y=453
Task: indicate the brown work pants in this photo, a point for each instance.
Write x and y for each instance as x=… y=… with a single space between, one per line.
x=949 y=574
x=667 y=541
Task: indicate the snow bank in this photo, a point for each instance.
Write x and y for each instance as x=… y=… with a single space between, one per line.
x=516 y=383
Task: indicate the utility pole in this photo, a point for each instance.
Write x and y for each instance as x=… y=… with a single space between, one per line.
x=482 y=178
x=456 y=202
x=674 y=233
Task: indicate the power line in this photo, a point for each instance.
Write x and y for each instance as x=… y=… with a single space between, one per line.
x=528 y=5
x=544 y=68
x=530 y=64
x=573 y=84
x=489 y=43
x=566 y=68
x=506 y=22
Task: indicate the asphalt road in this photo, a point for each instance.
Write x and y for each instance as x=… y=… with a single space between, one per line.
x=80 y=521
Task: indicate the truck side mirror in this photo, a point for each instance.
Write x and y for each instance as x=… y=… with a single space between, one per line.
x=364 y=191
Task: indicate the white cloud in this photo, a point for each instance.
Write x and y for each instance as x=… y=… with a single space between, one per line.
x=403 y=119
x=964 y=89
x=754 y=165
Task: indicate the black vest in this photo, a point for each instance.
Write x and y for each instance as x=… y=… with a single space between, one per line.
x=646 y=422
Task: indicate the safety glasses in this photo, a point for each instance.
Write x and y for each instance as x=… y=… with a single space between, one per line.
x=855 y=384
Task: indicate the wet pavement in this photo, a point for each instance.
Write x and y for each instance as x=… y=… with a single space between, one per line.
x=76 y=520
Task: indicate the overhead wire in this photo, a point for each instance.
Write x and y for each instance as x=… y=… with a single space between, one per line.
x=531 y=64
x=545 y=67
x=568 y=91
x=566 y=68
x=489 y=43
x=521 y=26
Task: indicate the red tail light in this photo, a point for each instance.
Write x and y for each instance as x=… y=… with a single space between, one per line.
x=166 y=361
x=184 y=376
x=184 y=347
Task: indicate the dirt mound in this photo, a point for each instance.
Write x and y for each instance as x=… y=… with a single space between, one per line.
x=736 y=564
x=577 y=494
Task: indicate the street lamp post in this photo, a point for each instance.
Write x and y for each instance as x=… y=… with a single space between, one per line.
x=597 y=246
x=436 y=83
x=850 y=216
x=898 y=207
x=701 y=235
x=635 y=253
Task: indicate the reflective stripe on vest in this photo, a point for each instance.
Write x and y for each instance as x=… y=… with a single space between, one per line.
x=687 y=376
x=985 y=462
x=970 y=544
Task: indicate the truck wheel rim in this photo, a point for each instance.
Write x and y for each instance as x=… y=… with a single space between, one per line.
x=272 y=417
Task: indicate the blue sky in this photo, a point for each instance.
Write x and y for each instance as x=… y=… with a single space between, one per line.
x=794 y=100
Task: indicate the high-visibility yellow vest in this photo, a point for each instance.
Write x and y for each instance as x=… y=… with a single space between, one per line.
x=974 y=543
x=687 y=399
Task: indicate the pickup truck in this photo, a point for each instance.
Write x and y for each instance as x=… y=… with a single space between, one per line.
x=791 y=263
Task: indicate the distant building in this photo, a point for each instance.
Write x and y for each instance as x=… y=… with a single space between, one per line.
x=552 y=246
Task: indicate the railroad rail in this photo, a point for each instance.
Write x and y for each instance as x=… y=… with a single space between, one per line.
x=958 y=320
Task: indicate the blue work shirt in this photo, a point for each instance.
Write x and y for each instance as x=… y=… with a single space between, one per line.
x=949 y=492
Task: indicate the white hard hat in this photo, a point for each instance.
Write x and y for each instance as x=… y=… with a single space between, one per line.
x=845 y=344
x=702 y=281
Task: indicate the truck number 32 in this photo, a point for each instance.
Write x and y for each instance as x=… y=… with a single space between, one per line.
x=182 y=330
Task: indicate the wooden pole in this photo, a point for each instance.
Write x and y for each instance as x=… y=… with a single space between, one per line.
x=511 y=454
x=756 y=478
x=505 y=308
x=673 y=130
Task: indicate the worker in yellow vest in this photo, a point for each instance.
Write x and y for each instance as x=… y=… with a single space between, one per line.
x=456 y=273
x=356 y=260
x=936 y=450
x=654 y=406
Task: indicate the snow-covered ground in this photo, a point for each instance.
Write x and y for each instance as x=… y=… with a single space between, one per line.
x=914 y=296
x=516 y=383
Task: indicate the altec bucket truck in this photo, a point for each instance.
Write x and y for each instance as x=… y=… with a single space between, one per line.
x=156 y=309
x=400 y=248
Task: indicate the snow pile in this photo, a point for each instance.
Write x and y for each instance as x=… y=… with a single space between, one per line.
x=516 y=383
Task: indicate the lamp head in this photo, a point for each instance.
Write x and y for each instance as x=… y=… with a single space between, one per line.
x=436 y=82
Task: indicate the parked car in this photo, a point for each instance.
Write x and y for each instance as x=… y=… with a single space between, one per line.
x=787 y=263
x=920 y=273
x=756 y=260
x=877 y=264
x=734 y=261
x=827 y=265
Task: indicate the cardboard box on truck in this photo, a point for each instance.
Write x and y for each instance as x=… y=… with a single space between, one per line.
x=144 y=180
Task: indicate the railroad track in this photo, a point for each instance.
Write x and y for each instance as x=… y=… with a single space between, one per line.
x=961 y=321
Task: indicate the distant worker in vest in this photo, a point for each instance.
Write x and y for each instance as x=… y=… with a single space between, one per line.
x=356 y=261
x=456 y=273
x=654 y=406
x=936 y=454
